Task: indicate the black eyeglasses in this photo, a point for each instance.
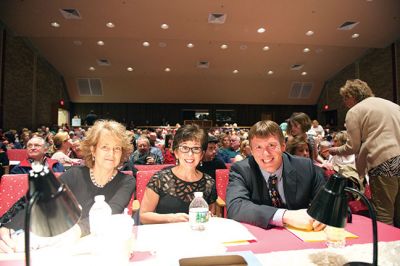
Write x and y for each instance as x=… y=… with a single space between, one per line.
x=186 y=149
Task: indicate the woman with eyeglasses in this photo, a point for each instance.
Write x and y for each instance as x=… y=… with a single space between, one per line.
x=169 y=192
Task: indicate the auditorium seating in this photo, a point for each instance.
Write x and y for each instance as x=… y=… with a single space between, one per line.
x=12 y=188
x=221 y=180
x=142 y=178
x=17 y=155
x=147 y=167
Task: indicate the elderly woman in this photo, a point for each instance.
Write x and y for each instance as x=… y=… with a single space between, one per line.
x=62 y=145
x=244 y=152
x=170 y=191
x=105 y=148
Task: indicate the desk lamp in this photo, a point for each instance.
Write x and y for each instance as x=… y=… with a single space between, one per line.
x=330 y=207
x=51 y=207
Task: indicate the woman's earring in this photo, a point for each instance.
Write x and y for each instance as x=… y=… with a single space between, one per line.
x=177 y=162
x=201 y=163
x=93 y=158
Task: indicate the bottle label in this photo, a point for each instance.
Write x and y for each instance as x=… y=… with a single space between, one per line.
x=198 y=215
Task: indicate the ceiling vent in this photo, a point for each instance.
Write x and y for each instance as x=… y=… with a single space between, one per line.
x=89 y=87
x=70 y=13
x=296 y=67
x=203 y=64
x=216 y=18
x=348 y=25
x=300 y=90
x=103 y=62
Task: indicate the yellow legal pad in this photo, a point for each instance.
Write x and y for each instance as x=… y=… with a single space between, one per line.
x=311 y=236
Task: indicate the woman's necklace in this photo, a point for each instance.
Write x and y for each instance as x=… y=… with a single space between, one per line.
x=94 y=179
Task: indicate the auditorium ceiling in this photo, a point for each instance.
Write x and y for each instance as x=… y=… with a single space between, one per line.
x=202 y=51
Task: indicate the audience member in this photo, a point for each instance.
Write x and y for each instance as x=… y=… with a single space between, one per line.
x=168 y=154
x=272 y=187
x=36 y=149
x=143 y=155
x=62 y=145
x=90 y=118
x=245 y=151
x=153 y=148
x=210 y=162
x=170 y=191
x=373 y=127
x=223 y=150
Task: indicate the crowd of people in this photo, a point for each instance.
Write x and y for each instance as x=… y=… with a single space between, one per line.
x=276 y=169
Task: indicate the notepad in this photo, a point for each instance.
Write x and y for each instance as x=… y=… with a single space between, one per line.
x=312 y=236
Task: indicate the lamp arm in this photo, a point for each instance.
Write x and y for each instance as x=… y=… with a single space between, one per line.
x=32 y=200
x=374 y=223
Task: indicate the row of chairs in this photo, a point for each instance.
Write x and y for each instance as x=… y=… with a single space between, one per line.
x=13 y=187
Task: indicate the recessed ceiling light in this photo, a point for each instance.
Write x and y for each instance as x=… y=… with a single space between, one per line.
x=270 y=72
x=101 y=43
x=224 y=46
x=167 y=69
x=235 y=71
x=110 y=25
x=92 y=69
x=77 y=42
x=164 y=26
x=309 y=33
x=162 y=44
x=303 y=73
x=355 y=35
x=265 y=48
x=130 y=69
x=146 y=44
x=306 y=50
x=261 y=30
x=190 y=45
x=55 y=24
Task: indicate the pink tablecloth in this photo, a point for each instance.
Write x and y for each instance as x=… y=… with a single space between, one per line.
x=280 y=239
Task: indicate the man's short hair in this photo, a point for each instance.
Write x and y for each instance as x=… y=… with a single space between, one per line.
x=266 y=128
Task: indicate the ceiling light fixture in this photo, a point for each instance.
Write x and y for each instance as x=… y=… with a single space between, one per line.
x=92 y=68
x=167 y=69
x=270 y=72
x=55 y=24
x=261 y=30
x=130 y=69
x=355 y=35
x=100 y=43
x=309 y=33
x=235 y=71
x=190 y=45
x=265 y=48
x=303 y=73
x=110 y=25
x=164 y=26
x=306 y=50
x=224 y=46
x=146 y=44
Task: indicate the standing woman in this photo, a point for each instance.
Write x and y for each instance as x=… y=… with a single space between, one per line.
x=373 y=128
x=170 y=191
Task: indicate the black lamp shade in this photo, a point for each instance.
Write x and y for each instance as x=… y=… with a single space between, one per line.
x=56 y=209
x=330 y=204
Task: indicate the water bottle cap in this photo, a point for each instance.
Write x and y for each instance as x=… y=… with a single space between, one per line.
x=198 y=194
x=99 y=198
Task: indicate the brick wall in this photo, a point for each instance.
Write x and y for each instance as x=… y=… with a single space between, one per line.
x=32 y=87
x=374 y=67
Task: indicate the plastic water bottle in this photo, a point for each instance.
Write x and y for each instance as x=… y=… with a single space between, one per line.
x=99 y=217
x=198 y=212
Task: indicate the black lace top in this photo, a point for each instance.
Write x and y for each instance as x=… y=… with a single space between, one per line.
x=176 y=194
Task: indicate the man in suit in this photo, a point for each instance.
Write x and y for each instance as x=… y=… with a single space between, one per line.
x=272 y=187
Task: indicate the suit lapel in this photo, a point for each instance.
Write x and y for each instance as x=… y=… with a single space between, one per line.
x=262 y=187
x=290 y=180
